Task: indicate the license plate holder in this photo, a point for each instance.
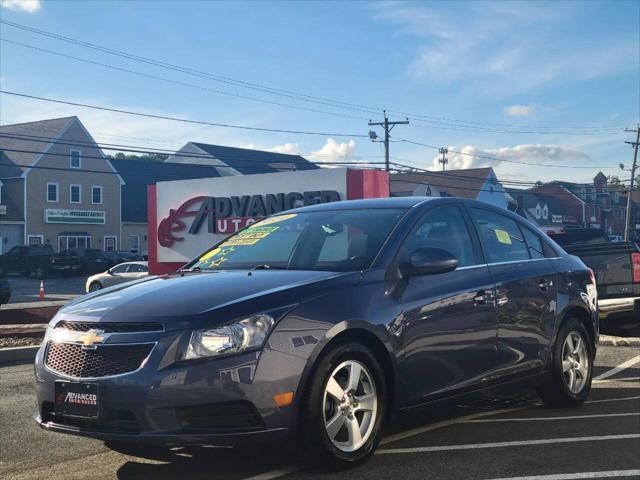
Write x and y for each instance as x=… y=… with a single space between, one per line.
x=77 y=399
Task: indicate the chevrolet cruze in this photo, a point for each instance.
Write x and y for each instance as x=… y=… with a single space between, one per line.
x=320 y=325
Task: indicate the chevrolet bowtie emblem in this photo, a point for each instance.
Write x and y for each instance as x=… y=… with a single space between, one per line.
x=92 y=337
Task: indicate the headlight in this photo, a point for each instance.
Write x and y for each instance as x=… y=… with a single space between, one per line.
x=232 y=338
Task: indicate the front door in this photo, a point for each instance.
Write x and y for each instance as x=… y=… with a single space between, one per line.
x=449 y=330
x=525 y=291
x=110 y=244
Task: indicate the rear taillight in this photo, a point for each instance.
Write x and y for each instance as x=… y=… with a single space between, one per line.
x=592 y=277
x=635 y=267
x=52 y=260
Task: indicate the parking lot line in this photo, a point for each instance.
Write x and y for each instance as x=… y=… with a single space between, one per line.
x=637 y=397
x=623 y=379
x=445 y=423
x=577 y=476
x=623 y=366
x=517 y=443
x=571 y=417
x=280 y=472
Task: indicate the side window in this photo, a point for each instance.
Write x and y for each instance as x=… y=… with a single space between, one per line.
x=500 y=236
x=536 y=250
x=136 y=268
x=122 y=268
x=444 y=228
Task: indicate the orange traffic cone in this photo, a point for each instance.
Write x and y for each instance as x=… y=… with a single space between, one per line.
x=41 y=294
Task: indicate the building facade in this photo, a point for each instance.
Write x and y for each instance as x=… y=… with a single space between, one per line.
x=58 y=187
x=480 y=184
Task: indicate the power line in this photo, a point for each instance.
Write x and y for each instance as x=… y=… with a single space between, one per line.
x=159 y=151
x=183 y=120
x=486 y=157
x=277 y=91
x=177 y=82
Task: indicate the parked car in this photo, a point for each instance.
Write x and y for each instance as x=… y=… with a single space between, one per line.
x=321 y=324
x=617 y=270
x=91 y=259
x=5 y=291
x=124 y=272
x=616 y=238
x=39 y=260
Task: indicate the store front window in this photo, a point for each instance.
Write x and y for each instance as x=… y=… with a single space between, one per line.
x=73 y=241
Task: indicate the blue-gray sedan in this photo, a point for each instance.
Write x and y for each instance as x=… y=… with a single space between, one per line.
x=320 y=325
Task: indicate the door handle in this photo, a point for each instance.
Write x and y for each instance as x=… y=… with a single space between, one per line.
x=544 y=284
x=480 y=298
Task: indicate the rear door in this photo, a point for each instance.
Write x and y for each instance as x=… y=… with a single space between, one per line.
x=449 y=329
x=526 y=290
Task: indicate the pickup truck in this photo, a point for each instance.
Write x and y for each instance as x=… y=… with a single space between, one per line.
x=616 y=266
x=39 y=260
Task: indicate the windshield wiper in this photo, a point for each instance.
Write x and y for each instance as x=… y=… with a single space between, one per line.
x=265 y=266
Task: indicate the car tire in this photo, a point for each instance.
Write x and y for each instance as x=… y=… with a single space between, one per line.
x=95 y=286
x=572 y=367
x=328 y=434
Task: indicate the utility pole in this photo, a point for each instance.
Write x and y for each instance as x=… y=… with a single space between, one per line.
x=627 y=230
x=444 y=160
x=388 y=126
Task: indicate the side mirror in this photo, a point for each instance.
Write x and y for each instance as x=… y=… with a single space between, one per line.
x=429 y=261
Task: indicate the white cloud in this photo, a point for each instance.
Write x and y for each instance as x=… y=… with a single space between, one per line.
x=29 y=6
x=471 y=157
x=519 y=110
x=333 y=150
x=288 y=148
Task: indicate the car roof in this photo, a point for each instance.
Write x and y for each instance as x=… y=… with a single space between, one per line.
x=367 y=203
x=140 y=262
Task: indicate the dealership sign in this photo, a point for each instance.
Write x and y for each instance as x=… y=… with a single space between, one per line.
x=59 y=215
x=192 y=215
x=226 y=215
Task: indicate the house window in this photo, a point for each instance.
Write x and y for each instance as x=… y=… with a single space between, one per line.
x=545 y=212
x=52 y=192
x=75 y=195
x=538 y=211
x=96 y=194
x=75 y=158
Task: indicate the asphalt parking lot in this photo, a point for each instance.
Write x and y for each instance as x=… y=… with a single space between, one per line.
x=56 y=288
x=503 y=437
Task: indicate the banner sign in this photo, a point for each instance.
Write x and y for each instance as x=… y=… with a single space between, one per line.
x=58 y=215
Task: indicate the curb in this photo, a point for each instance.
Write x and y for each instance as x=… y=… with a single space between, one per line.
x=13 y=354
x=619 y=341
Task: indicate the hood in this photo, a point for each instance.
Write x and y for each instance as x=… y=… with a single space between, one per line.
x=186 y=301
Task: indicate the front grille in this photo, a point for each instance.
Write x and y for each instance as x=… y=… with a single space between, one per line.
x=106 y=360
x=110 y=327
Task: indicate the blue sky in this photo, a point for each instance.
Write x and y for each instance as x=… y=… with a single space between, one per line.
x=557 y=67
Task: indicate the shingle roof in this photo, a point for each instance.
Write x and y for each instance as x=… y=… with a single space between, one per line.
x=138 y=174
x=458 y=183
x=248 y=161
x=15 y=163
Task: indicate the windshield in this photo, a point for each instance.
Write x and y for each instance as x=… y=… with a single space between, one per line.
x=337 y=240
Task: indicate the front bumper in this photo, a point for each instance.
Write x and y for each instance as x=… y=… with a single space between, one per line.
x=620 y=309
x=226 y=401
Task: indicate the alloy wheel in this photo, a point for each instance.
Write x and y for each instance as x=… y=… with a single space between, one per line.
x=350 y=406
x=575 y=362
x=94 y=287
